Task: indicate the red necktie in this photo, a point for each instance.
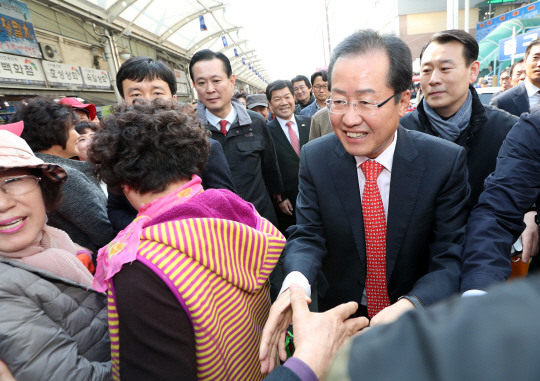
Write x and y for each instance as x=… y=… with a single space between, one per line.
x=375 y=233
x=223 y=124
x=294 y=138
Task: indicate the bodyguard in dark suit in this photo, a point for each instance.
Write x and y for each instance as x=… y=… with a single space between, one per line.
x=391 y=242
x=289 y=132
x=515 y=100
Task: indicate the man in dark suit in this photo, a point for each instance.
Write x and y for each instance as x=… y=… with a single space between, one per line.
x=289 y=133
x=342 y=242
x=524 y=96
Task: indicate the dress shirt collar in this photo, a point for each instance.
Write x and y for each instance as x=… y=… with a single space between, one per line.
x=283 y=121
x=214 y=120
x=531 y=89
x=386 y=158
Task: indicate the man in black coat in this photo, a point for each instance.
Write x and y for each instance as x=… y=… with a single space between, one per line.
x=146 y=78
x=452 y=110
x=242 y=133
x=290 y=132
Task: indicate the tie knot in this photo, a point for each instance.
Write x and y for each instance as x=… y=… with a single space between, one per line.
x=289 y=124
x=371 y=170
x=223 y=123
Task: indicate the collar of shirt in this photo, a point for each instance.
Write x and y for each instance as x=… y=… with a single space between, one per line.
x=283 y=121
x=531 y=89
x=214 y=120
x=386 y=158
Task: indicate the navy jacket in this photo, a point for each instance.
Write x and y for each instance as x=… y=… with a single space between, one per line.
x=310 y=110
x=426 y=220
x=509 y=193
x=514 y=100
x=216 y=174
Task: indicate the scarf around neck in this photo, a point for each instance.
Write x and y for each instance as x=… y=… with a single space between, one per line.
x=123 y=249
x=55 y=252
x=452 y=128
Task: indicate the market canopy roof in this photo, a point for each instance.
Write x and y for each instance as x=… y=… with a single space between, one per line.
x=175 y=24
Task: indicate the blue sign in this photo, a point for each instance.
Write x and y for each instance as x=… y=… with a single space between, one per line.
x=225 y=44
x=203 y=24
x=243 y=61
x=514 y=47
x=17 y=34
x=486 y=27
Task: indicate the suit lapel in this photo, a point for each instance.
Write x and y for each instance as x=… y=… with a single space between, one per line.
x=277 y=132
x=404 y=188
x=345 y=177
x=303 y=129
x=521 y=99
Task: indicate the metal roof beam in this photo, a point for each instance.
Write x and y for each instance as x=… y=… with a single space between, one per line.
x=117 y=8
x=201 y=42
x=187 y=20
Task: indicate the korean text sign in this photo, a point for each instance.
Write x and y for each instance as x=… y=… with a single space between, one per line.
x=17 y=34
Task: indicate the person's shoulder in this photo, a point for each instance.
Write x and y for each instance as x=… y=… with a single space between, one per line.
x=499 y=117
x=429 y=144
x=303 y=119
x=410 y=119
x=510 y=93
x=320 y=113
x=321 y=145
x=255 y=116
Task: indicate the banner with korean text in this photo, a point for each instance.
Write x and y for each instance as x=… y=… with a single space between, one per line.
x=21 y=70
x=17 y=34
x=96 y=79
x=62 y=75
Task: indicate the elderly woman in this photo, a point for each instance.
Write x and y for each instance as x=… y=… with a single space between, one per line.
x=53 y=325
x=188 y=278
x=85 y=130
x=50 y=132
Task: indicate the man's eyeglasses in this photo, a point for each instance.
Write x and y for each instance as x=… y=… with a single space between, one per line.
x=17 y=186
x=340 y=106
x=319 y=87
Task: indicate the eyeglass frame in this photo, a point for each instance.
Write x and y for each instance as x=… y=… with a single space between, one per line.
x=372 y=103
x=318 y=87
x=38 y=180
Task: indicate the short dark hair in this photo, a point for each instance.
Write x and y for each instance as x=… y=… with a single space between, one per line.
x=531 y=45
x=367 y=40
x=323 y=74
x=209 y=55
x=148 y=145
x=83 y=126
x=278 y=85
x=514 y=66
x=240 y=94
x=142 y=68
x=470 y=46
x=46 y=123
x=301 y=78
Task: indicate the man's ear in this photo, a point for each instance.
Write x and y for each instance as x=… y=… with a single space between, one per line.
x=233 y=80
x=474 y=69
x=404 y=103
x=175 y=97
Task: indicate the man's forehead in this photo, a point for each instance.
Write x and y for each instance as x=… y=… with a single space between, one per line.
x=209 y=68
x=449 y=52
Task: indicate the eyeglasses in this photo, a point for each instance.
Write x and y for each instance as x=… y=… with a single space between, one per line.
x=340 y=106
x=319 y=87
x=17 y=186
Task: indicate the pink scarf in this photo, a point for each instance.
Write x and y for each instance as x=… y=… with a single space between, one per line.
x=123 y=249
x=55 y=252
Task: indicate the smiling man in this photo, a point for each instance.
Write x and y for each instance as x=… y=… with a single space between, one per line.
x=302 y=92
x=381 y=210
x=247 y=144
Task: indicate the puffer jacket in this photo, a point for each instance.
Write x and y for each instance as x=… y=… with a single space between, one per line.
x=51 y=328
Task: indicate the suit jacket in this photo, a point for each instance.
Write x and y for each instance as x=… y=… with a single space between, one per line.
x=509 y=193
x=288 y=160
x=514 y=100
x=320 y=124
x=425 y=229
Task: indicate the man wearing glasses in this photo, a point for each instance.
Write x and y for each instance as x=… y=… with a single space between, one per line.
x=381 y=210
x=319 y=79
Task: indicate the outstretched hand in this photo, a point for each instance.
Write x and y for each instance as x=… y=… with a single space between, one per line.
x=5 y=374
x=318 y=336
x=273 y=336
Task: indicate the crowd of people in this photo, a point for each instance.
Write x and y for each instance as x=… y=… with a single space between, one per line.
x=318 y=230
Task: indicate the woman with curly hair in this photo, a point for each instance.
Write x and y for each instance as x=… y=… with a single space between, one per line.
x=49 y=130
x=188 y=279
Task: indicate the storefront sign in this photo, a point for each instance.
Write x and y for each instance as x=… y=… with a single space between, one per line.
x=14 y=69
x=181 y=83
x=62 y=75
x=515 y=47
x=16 y=30
x=96 y=79
x=486 y=27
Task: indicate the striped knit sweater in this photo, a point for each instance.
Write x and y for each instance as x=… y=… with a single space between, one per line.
x=215 y=254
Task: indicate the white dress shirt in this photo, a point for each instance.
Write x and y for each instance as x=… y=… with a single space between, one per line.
x=214 y=120
x=285 y=128
x=532 y=93
x=386 y=158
